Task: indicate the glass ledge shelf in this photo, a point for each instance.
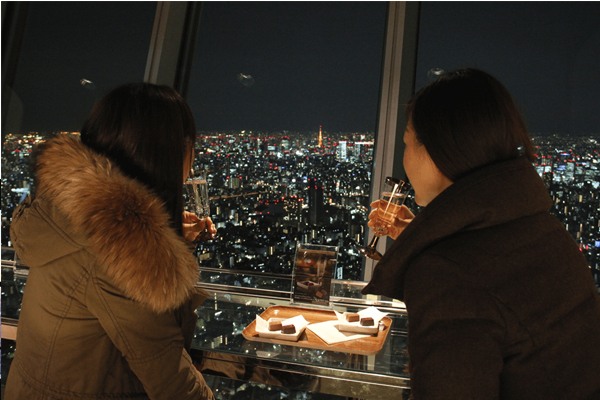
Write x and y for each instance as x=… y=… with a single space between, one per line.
x=218 y=344
x=220 y=350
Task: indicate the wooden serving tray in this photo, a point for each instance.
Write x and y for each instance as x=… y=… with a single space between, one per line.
x=363 y=346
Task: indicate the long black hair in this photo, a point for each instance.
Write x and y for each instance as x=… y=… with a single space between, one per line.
x=467 y=119
x=145 y=129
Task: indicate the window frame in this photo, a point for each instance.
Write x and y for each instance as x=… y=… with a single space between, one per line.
x=169 y=62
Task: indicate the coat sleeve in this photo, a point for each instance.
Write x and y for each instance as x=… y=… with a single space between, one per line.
x=152 y=343
x=455 y=334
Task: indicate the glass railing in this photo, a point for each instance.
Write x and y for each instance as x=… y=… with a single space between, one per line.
x=238 y=366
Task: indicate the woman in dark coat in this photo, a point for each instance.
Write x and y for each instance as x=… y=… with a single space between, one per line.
x=501 y=303
x=108 y=310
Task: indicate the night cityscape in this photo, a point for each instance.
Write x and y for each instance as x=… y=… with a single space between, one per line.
x=270 y=192
x=287 y=98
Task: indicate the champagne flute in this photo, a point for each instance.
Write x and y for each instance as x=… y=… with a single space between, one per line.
x=392 y=197
x=197 y=198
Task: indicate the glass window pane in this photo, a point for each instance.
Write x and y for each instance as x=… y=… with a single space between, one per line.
x=286 y=101
x=546 y=53
x=71 y=54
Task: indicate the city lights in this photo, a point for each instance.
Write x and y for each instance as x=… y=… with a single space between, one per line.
x=270 y=191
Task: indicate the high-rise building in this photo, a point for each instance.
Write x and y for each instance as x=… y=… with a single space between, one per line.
x=342 y=151
x=316 y=205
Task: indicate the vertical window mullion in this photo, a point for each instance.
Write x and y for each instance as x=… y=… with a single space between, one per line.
x=397 y=84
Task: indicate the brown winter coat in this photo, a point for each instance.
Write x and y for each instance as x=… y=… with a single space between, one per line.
x=501 y=303
x=109 y=303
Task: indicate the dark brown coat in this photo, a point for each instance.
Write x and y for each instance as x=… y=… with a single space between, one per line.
x=110 y=297
x=501 y=303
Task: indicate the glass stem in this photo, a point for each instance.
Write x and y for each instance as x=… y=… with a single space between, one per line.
x=374 y=242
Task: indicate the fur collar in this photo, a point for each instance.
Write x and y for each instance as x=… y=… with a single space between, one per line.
x=126 y=224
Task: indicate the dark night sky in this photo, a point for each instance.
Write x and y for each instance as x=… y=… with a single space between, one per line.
x=547 y=54
x=312 y=64
x=67 y=41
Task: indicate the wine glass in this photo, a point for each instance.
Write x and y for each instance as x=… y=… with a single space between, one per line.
x=197 y=200
x=392 y=197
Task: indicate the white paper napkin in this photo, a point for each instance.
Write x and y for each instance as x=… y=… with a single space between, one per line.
x=356 y=327
x=340 y=330
x=330 y=334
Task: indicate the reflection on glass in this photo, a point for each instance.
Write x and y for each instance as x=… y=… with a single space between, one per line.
x=46 y=100
x=287 y=131
x=567 y=147
x=245 y=79
x=435 y=73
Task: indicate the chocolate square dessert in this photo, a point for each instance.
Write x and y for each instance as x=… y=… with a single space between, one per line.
x=274 y=325
x=367 y=321
x=352 y=317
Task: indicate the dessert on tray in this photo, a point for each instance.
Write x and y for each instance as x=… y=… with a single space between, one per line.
x=364 y=321
x=352 y=317
x=279 y=328
x=275 y=324
x=318 y=328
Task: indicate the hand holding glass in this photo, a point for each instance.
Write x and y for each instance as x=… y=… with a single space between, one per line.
x=197 y=202
x=389 y=205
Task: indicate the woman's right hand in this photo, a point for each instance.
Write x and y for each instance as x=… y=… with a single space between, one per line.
x=193 y=227
x=401 y=220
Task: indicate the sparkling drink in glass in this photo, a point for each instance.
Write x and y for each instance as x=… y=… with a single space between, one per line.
x=390 y=202
x=197 y=191
x=197 y=200
x=389 y=206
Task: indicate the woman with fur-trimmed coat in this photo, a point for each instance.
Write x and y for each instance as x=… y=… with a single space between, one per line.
x=108 y=309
